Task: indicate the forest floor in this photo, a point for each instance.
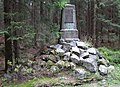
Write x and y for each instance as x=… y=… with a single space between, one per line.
x=64 y=79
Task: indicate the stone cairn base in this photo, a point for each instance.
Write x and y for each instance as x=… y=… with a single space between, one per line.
x=77 y=56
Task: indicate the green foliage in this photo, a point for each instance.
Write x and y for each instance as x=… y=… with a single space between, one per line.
x=114 y=77
x=60 y=3
x=50 y=33
x=23 y=31
x=34 y=82
x=25 y=84
x=2 y=32
x=28 y=32
x=109 y=22
x=21 y=26
x=111 y=54
x=115 y=4
x=54 y=30
x=24 y=69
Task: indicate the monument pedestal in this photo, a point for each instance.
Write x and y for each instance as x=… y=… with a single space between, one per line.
x=69 y=35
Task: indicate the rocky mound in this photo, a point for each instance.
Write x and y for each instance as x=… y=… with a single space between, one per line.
x=77 y=56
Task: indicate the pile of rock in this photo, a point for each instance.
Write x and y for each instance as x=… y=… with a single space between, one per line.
x=79 y=57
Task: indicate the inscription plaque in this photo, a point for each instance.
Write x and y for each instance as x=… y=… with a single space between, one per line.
x=68 y=15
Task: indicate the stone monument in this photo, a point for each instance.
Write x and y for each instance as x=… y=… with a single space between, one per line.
x=69 y=30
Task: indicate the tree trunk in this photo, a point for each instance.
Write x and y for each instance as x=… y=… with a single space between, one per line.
x=94 y=23
x=16 y=18
x=8 y=42
x=34 y=21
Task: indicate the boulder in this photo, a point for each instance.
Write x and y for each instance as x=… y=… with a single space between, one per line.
x=50 y=63
x=72 y=65
x=59 y=50
x=111 y=68
x=99 y=54
x=66 y=58
x=43 y=63
x=62 y=41
x=92 y=76
x=53 y=52
x=54 y=69
x=103 y=62
x=81 y=45
x=44 y=57
x=60 y=64
x=103 y=70
x=80 y=73
x=75 y=50
x=84 y=55
x=90 y=64
x=67 y=64
x=75 y=59
x=67 y=54
x=8 y=76
x=72 y=44
x=94 y=57
x=66 y=47
x=52 y=58
x=92 y=51
x=56 y=46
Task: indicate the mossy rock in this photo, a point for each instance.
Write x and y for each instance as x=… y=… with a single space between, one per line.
x=52 y=57
x=50 y=63
x=53 y=52
x=43 y=63
x=54 y=69
x=67 y=65
x=88 y=76
x=72 y=65
x=61 y=64
x=60 y=55
x=92 y=76
x=103 y=62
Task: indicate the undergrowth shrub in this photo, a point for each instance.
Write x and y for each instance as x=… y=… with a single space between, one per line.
x=113 y=55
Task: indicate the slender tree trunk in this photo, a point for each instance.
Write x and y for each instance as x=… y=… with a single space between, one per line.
x=89 y=19
x=8 y=42
x=94 y=23
x=60 y=23
x=119 y=39
x=15 y=42
x=78 y=10
x=34 y=20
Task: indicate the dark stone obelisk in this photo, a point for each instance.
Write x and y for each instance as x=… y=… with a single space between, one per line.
x=69 y=30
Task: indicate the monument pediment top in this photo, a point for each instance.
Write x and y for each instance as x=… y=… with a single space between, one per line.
x=71 y=5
